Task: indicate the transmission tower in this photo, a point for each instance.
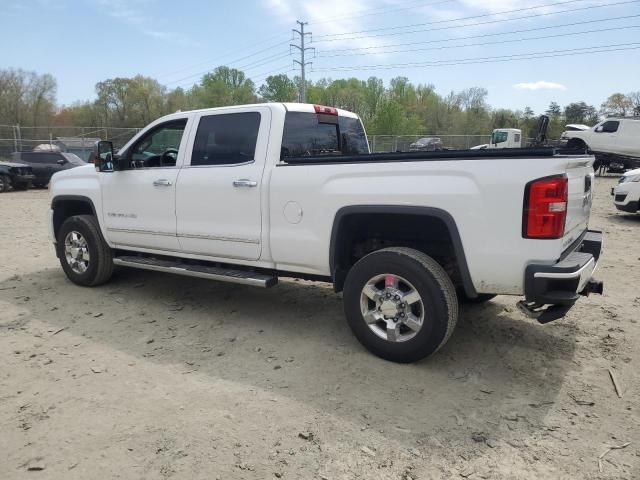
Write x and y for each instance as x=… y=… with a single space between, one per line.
x=302 y=62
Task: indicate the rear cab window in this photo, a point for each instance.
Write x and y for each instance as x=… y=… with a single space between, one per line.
x=322 y=135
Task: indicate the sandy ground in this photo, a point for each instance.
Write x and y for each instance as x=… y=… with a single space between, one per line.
x=159 y=376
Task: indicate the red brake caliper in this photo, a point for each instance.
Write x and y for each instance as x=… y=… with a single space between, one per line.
x=389 y=281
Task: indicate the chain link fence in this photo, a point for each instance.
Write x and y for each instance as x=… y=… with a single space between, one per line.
x=78 y=140
x=81 y=140
x=400 y=143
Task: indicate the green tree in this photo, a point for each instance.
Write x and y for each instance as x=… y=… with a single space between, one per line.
x=580 y=112
x=617 y=104
x=634 y=99
x=224 y=86
x=279 y=88
x=392 y=119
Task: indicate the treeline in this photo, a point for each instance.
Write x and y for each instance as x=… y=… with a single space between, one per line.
x=400 y=107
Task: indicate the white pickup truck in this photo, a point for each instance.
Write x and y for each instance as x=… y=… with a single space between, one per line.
x=615 y=143
x=248 y=194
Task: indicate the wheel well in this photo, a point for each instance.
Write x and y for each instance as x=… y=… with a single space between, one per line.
x=65 y=208
x=434 y=233
x=577 y=143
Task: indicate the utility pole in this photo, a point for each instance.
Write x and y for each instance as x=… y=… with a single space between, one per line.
x=303 y=64
x=19 y=134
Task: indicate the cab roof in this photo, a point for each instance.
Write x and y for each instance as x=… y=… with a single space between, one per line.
x=289 y=107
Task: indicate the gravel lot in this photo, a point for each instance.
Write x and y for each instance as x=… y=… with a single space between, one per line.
x=159 y=376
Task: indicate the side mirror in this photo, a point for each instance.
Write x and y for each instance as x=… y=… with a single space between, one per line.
x=61 y=162
x=600 y=129
x=104 y=160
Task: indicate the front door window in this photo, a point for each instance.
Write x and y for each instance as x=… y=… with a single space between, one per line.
x=159 y=147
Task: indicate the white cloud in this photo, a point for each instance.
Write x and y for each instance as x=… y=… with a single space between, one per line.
x=539 y=85
x=136 y=14
x=493 y=6
x=330 y=17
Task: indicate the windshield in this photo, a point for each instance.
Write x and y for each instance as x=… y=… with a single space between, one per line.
x=499 y=136
x=73 y=158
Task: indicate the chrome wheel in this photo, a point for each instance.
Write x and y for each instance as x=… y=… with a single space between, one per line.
x=76 y=251
x=392 y=308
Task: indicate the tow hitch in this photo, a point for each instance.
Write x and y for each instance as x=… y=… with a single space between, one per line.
x=593 y=286
x=548 y=313
x=543 y=314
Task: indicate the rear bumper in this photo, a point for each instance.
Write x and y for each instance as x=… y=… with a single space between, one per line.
x=551 y=290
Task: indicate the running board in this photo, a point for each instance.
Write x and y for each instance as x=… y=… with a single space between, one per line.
x=199 y=271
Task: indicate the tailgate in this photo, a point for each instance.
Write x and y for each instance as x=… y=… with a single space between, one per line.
x=580 y=196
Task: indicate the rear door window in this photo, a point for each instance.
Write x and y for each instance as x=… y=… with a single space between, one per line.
x=317 y=135
x=226 y=139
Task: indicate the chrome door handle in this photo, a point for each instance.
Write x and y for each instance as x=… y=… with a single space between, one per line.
x=245 y=183
x=162 y=183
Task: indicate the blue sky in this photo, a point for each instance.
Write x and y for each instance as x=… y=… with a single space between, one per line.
x=83 y=42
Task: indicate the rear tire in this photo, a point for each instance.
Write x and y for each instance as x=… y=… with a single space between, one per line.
x=84 y=255
x=5 y=183
x=401 y=280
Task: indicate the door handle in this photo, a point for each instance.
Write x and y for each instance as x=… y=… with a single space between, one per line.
x=162 y=183
x=243 y=182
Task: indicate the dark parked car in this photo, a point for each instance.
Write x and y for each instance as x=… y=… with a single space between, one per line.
x=15 y=175
x=426 y=144
x=45 y=164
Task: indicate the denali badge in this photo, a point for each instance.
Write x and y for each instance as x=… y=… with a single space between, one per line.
x=122 y=215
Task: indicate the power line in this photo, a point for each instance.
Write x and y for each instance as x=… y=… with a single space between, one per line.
x=382 y=11
x=265 y=75
x=484 y=35
x=556 y=12
x=260 y=81
x=498 y=42
x=257 y=63
x=230 y=62
x=500 y=58
x=435 y=22
x=218 y=59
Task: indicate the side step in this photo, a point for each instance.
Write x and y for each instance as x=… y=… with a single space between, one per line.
x=199 y=271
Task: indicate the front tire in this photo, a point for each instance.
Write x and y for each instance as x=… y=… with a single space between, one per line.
x=84 y=255
x=22 y=186
x=400 y=304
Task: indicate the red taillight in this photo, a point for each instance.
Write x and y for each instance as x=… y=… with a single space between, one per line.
x=326 y=110
x=545 y=208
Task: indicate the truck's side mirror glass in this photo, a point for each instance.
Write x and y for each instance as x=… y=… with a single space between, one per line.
x=599 y=129
x=105 y=156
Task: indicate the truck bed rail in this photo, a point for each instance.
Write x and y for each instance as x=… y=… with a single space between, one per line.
x=443 y=155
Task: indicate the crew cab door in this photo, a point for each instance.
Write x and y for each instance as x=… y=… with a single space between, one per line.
x=629 y=137
x=218 y=203
x=605 y=137
x=139 y=200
